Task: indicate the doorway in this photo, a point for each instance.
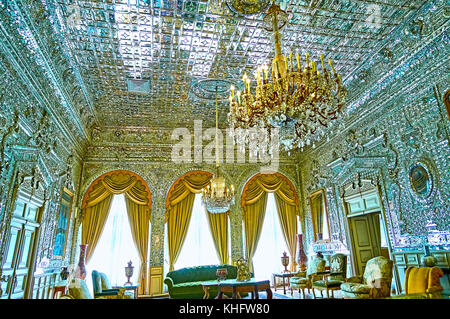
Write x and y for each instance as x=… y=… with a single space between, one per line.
x=21 y=246
x=367 y=229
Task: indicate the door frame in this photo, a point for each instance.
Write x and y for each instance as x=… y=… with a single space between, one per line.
x=381 y=209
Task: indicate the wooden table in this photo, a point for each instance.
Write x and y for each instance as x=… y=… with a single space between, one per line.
x=283 y=275
x=60 y=287
x=130 y=287
x=236 y=287
x=206 y=287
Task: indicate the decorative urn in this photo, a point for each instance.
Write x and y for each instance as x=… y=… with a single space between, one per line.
x=129 y=272
x=285 y=261
x=301 y=256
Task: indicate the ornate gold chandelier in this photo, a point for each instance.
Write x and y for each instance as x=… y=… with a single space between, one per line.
x=217 y=197
x=306 y=100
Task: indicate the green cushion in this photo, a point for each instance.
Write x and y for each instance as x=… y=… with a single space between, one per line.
x=352 y=295
x=330 y=283
x=105 y=282
x=298 y=280
x=355 y=288
x=200 y=273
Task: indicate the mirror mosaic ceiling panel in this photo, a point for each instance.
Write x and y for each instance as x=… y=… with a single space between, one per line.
x=175 y=44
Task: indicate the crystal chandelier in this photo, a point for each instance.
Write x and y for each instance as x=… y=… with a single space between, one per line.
x=305 y=100
x=217 y=196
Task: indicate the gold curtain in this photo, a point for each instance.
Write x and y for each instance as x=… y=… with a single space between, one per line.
x=94 y=218
x=218 y=224
x=253 y=217
x=98 y=203
x=139 y=217
x=288 y=222
x=179 y=211
x=317 y=213
x=254 y=204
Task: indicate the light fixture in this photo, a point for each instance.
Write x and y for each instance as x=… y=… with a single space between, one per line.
x=217 y=196
x=305 y=100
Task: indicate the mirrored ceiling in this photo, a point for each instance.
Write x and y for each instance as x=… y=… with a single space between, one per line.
x=144 y=62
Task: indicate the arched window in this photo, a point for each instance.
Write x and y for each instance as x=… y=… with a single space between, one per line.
x=198 y=247
x=122 y=199
x=115 y=247
x=271 y=224
x=271 y=245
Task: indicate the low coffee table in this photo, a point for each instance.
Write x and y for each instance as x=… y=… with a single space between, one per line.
x=236 y=287
x=206 y=285
x=283 y=275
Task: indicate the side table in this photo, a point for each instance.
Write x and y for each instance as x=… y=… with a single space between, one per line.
x=285 y=276
x=131 y=287
x=59 y=287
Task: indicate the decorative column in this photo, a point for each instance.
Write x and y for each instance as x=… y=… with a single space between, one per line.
x=156 y=269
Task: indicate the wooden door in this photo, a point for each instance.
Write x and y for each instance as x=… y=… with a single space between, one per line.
x=19 y=264
x=365 y=239
x=12 y=255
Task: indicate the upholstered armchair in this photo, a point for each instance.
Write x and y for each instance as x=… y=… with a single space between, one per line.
x=422 y=283
x=102 y=287
x=333 y=279
x=375 y=283
x=305 y=279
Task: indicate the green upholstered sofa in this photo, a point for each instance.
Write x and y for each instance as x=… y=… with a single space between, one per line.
x=186 y=283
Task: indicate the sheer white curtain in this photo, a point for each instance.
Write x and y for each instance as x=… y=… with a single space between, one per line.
x=115 y=247
x=271 y=245
x=198 y=247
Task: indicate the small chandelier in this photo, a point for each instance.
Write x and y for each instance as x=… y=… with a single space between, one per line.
x=305 y=100
x=217 y=196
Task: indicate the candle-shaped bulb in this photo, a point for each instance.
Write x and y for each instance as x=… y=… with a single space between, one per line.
x=331 y=64
x=323 y=64
x=290 y=60
x=239 y=97
x=299 y=67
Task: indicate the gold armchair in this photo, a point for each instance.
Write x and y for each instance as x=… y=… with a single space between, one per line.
x=422 y=283
x=305 y=279
x=78 y=290
x=375 y=283
x=333 y=279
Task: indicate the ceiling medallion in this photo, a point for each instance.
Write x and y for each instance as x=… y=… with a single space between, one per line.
x=217 y=197
x=248 y=7
x=208 y=89
x=304 y=101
